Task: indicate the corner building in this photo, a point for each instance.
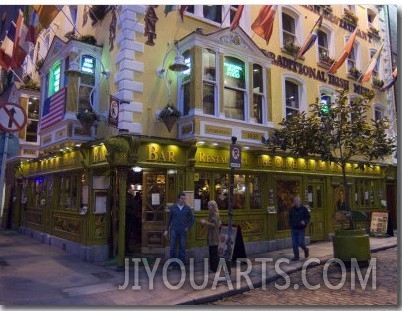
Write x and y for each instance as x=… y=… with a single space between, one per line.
x=101 y=186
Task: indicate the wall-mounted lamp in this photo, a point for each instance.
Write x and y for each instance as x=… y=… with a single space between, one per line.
x=178 y=65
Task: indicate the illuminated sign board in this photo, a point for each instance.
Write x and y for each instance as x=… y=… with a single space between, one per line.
x=233 y=70
x=88 y=64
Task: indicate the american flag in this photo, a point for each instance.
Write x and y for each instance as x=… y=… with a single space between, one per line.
x=53 y=109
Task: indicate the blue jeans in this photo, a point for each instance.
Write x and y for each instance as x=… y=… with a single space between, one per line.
x=298 y=240
x=181 y=236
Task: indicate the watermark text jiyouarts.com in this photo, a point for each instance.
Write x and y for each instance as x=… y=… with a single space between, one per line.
x=243 y=270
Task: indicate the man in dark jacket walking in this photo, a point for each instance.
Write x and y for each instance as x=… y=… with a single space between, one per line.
x=299 y=217
x=180 y=220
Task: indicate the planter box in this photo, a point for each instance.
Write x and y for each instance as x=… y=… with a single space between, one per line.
x=348 y=244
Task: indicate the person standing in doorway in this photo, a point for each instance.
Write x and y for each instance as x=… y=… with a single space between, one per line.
x=180 y=220
x=299 y=217
x=213 y=223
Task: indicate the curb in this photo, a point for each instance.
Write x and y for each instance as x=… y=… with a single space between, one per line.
x=233 y=292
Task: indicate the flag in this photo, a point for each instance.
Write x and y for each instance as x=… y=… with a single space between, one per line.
x=6 y=48
x=369 y=71
x=310 y=39
x=5 y=60
x=236 y=18
x=33 y=23
x=170 y=8
x=53 y=109
x=390 y=82
x=345 y=53
x=182 y=9
x=19 y=48
x=46 y=14
x=264 y=23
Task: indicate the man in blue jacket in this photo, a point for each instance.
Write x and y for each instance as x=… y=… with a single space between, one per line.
x=299 y=217
x=180 y=220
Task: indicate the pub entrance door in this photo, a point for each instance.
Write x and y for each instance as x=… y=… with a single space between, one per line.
x=315 y=200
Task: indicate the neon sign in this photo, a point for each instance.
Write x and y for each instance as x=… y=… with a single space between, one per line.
x=88 y=65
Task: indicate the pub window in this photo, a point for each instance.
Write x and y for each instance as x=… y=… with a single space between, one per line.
x=325 y=104
x=32 y=122
x=258 y=93
x=209 y=81
x=364 y=193
x=292 y=98
x=234 y=88
x=254 y=183
x=370 y=16
x=213 y=12
x=69 y=187
x=54 y=79
x=202 y=183
x=288 y=29
x=221 y=190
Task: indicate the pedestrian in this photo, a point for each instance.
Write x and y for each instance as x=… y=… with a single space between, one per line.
x=213 y=224
x=299 y=217
x=180 y=220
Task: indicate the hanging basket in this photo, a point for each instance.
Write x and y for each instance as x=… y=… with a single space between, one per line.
x=169 y=121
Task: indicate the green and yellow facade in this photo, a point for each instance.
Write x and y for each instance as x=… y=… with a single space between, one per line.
x=81 y=198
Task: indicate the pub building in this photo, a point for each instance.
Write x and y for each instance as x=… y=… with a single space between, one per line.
x=102 y=190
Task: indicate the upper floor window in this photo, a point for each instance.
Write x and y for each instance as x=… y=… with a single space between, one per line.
x=288 y=29
x=33 y=118
x=54 y=79
x=234 y=88
x=292 y=98
x=325 y=104
x=87 y=83
x=375 y=69
x=258 y=93
x=221 y=14
x=370 y=16
x=185 y=83
x=352 y=58
x=323 y=46
x=209 y=81
x=378 y=112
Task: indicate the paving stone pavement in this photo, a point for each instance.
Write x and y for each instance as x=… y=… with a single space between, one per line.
x=36 y=274
x=330 y=285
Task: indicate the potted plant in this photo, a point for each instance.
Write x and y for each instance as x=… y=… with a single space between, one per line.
x=291 y=47
x=378 y=83
x=339 y=134
x=350 y=17
x=374 y=31
x=355 y=73
x=169 y=115
x=117 y=148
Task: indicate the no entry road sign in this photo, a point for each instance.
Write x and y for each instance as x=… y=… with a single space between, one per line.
x=12 y=117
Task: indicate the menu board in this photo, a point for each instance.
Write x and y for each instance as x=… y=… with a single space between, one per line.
x=379 y=223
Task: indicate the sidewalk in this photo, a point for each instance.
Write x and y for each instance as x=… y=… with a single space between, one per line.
x=36 y=274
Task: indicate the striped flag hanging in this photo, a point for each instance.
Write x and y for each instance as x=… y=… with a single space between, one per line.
x=53 y=109
x=390 y=82
x=348 y=48
x=20 y=47
x=47 y=13
x=310 y=39
x=369 y=71
x=264 y=23
x=237 y=17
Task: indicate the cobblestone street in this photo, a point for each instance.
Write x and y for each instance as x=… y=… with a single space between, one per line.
x=327 y=285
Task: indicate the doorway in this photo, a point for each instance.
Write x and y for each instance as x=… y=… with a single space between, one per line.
x=315 y=200
x=133 y=236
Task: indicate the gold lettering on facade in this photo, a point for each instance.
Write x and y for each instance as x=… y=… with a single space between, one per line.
x=156 y=155
x=216 y=130
x=251 y=135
